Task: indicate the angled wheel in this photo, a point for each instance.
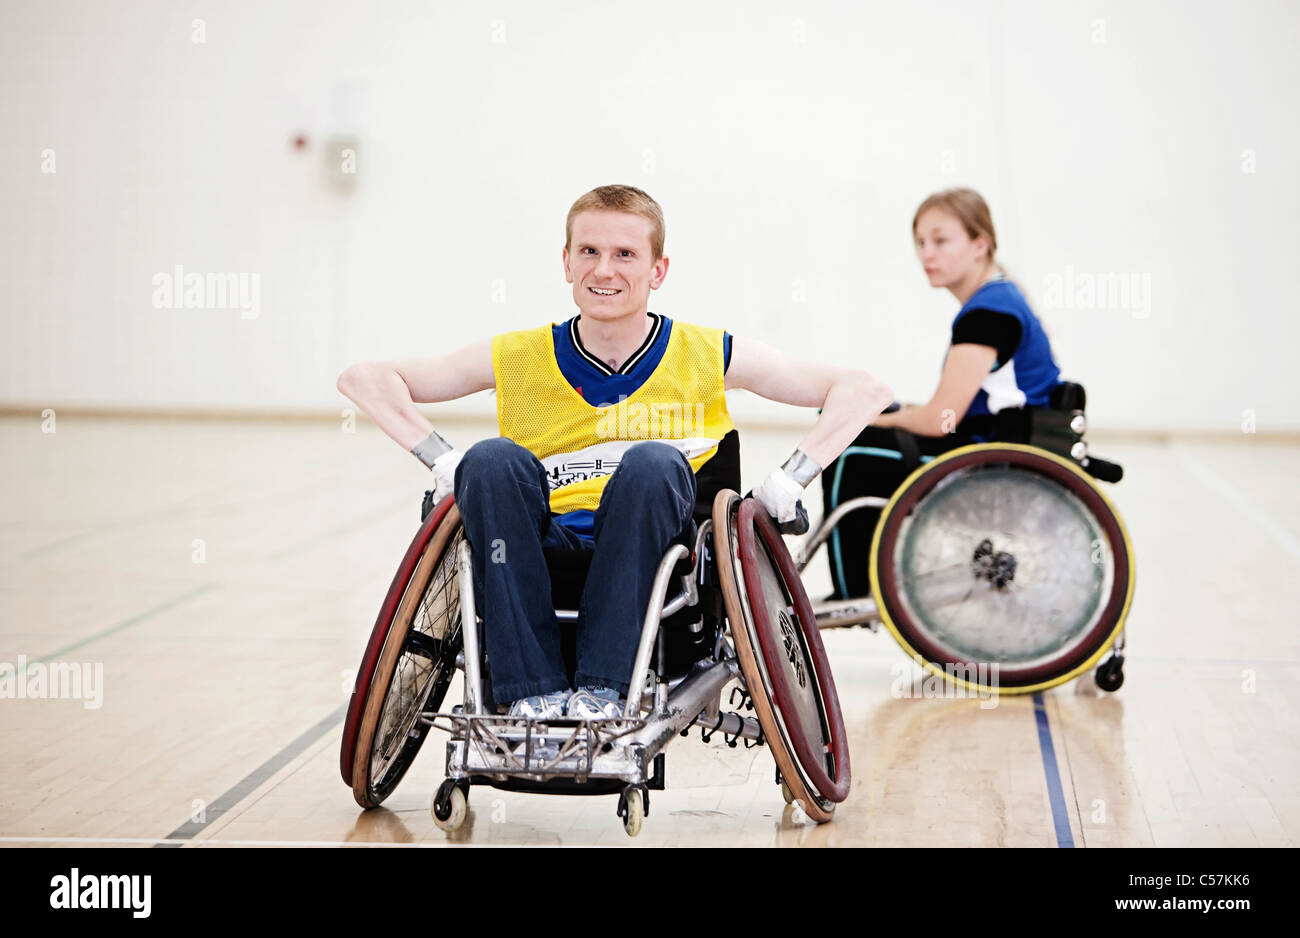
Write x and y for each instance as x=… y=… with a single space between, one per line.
x=781 y=655
x=1002 y=555
x=408 y=664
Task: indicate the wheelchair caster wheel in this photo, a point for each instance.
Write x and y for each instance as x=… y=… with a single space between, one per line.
x=632 y=809
x=450 y=806
x=1110 y=676
x=786 y=793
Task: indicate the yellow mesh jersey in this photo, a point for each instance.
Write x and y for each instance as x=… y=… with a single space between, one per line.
x=681 y=403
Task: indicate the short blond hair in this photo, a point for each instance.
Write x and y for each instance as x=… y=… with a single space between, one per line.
x=620 y=199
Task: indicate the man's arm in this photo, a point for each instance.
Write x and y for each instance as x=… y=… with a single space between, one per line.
x=964 y=371
x=849 y=399
x=387 y=391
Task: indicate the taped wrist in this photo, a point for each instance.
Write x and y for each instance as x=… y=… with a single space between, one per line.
x=801 y=468
x=430 y=448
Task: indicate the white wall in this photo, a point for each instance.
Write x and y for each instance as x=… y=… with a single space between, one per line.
x=788 y=142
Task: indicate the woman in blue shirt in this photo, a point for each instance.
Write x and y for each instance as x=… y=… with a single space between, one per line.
x=998 y=364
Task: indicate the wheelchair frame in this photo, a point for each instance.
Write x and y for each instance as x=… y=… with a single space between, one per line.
x=486 y=748
x=624 y=754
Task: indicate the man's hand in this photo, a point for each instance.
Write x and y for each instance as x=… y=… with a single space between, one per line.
x=444 y=474
x=779 y=494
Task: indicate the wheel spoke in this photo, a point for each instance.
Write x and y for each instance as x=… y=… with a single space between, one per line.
x=421 y=668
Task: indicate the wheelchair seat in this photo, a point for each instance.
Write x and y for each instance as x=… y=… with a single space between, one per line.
x=690 y=633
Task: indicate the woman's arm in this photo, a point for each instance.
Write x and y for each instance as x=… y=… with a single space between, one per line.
x=964 y=371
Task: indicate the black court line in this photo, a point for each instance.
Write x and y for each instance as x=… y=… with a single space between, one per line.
x=249 y=783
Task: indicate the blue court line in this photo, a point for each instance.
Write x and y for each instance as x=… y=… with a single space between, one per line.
x=1060 y=815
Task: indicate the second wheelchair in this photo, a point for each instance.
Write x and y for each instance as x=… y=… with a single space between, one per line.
x=999 y=566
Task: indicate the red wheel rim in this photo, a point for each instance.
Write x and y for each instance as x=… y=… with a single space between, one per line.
x=379 y=634
x=919 y=638
x=813 y=763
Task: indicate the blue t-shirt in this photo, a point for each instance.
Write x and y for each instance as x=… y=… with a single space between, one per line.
x=1028 y=376
x=601 y=385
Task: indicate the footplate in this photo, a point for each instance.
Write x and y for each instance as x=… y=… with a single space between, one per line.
x=502 y=746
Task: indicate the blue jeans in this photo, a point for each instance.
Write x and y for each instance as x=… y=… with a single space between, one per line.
x=504 y=500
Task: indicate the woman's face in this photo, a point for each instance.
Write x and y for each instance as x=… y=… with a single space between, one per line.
x=947 y=253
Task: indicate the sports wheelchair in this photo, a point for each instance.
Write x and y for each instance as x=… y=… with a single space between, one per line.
x=1000 y=566
x=740 y=614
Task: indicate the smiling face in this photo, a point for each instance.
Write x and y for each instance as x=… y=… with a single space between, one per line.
x=947 y=252
x=611 y=265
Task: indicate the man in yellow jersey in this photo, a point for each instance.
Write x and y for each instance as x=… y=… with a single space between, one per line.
x=613 y=428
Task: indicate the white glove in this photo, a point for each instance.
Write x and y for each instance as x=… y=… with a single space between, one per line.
x=444 y=474
x=779 y=494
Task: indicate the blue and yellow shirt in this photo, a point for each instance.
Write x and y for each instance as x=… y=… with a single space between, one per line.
x=578 y=416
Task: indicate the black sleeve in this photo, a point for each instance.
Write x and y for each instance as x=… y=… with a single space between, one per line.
x=986 y=327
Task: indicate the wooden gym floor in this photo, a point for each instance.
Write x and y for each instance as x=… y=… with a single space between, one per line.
x=225 y=575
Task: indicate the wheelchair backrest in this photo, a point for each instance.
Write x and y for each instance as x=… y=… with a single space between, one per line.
x=1055 y=427
x=1059 y=428
x=1068 y=395
x=720 y=472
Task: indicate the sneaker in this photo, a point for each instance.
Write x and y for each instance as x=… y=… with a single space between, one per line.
x=541 y=706
x=595 y=703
